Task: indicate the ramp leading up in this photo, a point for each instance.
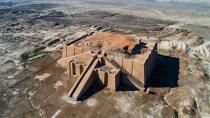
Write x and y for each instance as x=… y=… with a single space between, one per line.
x=84 y=81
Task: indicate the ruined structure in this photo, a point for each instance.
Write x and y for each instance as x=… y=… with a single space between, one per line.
x=109 y=59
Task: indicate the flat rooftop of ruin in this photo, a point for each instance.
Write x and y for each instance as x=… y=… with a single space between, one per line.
x=120 y=44
x=107 y=41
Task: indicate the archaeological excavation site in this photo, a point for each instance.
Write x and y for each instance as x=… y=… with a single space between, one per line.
x=104 y=59
x=108 y=59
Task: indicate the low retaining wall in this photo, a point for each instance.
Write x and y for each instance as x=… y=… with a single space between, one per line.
x=72 y=50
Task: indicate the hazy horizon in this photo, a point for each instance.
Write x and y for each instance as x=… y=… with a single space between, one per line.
x=181 y=1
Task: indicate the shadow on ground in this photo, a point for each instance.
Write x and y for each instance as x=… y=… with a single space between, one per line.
x=165 y=73
x=126 y=84
x=94 y=88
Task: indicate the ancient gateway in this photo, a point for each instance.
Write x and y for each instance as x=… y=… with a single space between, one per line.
x=107 y=59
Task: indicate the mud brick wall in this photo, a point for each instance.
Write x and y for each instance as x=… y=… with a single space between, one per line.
x=75 y=68
x=111 y=80
x=71 y=51
x=140 y=70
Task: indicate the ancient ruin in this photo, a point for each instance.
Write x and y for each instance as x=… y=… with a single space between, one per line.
x=107 y=59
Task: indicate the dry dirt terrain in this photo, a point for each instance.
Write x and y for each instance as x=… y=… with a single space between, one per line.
x=33 y=85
